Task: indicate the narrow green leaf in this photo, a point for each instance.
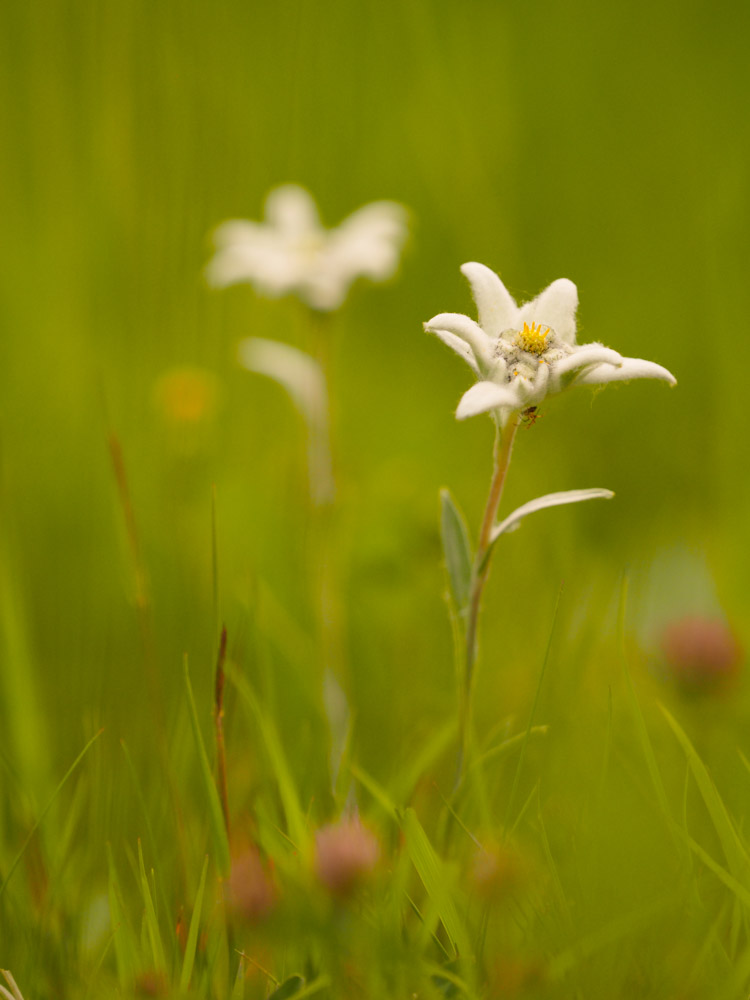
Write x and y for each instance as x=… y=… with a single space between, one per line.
x=613 y=933
x=192 y=938
x=216 y=815
x=145 y=811
x=25 y=732
x=737 y=983
x=289 y=988
x=740 y=891
x=457 y=549
x=443 y=976
x=432 y=872
x=125 y=947
x=321 y=983
x=640 y=723
x=647 y=749
x=48 y=806
x=152 y=923
x=421 y=762
x=295 y=817
x=238 y=990
x=377 y=791
x=532 y=713
x=501 y=749
x=732 y=846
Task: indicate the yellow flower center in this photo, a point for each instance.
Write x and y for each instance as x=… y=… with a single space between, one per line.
x=533 y=338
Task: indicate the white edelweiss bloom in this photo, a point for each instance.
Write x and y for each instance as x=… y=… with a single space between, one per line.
x=291 y=252
x=522 y=354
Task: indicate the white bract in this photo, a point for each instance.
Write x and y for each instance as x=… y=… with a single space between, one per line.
x=522 y=354
x=303 y=379
x=513 y=521
x=291 y=252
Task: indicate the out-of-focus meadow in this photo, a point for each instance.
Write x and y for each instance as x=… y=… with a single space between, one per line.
x=607 y=143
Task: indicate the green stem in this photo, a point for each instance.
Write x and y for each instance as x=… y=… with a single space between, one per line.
x=324 y=552
x=479 y=573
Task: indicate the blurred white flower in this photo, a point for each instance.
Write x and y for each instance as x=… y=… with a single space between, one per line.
x=291 y=252
x=522 y=354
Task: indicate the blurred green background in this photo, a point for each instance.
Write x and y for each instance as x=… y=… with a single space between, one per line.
x=603 y=142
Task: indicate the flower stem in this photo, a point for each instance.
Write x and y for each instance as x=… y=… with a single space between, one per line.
x=325 y=569
x=479 y=573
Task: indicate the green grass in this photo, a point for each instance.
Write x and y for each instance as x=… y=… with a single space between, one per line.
x=598 y=843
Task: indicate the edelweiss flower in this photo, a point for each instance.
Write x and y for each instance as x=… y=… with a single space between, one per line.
x=292 y=252
x=522 y=354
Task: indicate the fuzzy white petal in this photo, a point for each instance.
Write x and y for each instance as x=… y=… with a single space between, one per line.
x=549 y=500
x=465 y=328
x=555 y=307
x=587 y=354
x=525 y=392
x=540 y=386
x=496 y=306
x=235 y=231
x=247 y=251
x=486 y=396
x=629 y=369
x=369 y=241
x=460 y=347
x=292 y=210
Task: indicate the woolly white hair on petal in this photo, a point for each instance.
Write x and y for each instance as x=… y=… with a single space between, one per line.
x=587 y=354
x=465 y=328
x=483 y=397
x=629 y=368
x=554 y=307
x=496 y=306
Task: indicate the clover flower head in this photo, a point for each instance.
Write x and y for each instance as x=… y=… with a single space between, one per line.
x=291 y=252
x=701 y=653
x=346 y=855
x=522 y=354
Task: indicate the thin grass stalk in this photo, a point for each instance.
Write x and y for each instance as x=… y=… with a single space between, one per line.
x=221 y=756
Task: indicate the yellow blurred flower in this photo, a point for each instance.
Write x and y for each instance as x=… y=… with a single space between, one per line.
x=186 y=396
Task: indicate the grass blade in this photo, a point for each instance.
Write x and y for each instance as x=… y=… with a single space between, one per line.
x=734 y=886
x=17 y=686
x=732 y=846
x=640 y=723
x=376 y=791
x=422 y=761
x=216 y=814
x=124 y=942
x=532 y=713
x=192 y=938
x=48 y=806
x=295 y=818
x=432 y=872
x=152 y=923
